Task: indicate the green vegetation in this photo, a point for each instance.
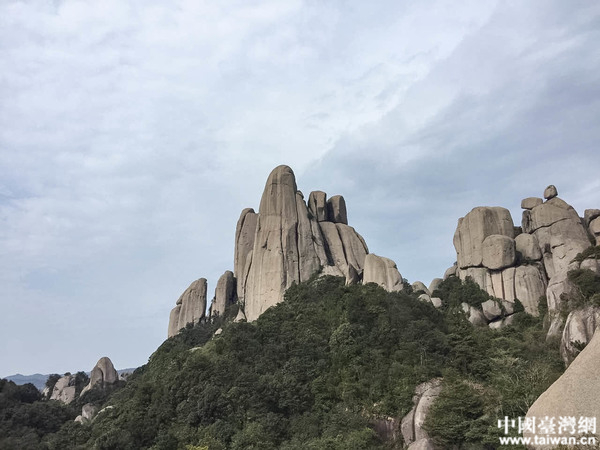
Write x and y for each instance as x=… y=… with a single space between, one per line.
x=316 y=371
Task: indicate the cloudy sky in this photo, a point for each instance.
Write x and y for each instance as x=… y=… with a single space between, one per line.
x=133 y=132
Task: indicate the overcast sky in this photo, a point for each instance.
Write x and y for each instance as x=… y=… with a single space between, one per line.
x=133 y=132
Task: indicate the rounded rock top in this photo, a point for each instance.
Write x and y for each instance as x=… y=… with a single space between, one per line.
x=550 y=192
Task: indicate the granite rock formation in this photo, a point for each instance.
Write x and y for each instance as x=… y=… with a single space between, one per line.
x=412 y=424
x=528 y=262
x=224 y=294
x=574 y=393
x=102 y=375
x=64 y=389
x=189 y=308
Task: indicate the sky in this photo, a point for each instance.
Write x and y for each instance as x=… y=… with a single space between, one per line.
x=133 y=133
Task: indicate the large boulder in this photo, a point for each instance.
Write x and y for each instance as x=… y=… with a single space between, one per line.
x=579 y=329
x=336 y=210
x=102 y=375
x=595 y=229
x=498 y=251
x=589 y=215
x=531 y=202
x=550 y=192
x=64 y=389
x=382 y=271
x=472 y=230
x=189 y=308
x=574 y=393
x=420 y=286
x=317 y=205
x=224 y=294
x=530 y=285
x=528 y=247
x=412 y=424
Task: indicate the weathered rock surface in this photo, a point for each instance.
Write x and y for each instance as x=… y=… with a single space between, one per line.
x=190 y=307
x=64 y=389
x=382 y=271
x=436 y=301
x=422 y=444
x=531 y=202
x=245 y=232
x=528 y=246
x=450 y=271
x=491 y=310
x=412 y=424
x=498 y=251
x=420 y=286
x=595 y=229
x=475 y=316
x=435 y=283
x=102 y=374
x=336 y=210
x=574 y=393
x=530 y=285
x=317 y=205
x=472 y=230
x=589 y=215
x=579 y=328
x=88 y=412
x=550 y=192
x=224 y=294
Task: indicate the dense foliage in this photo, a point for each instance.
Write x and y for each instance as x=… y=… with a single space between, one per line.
x=316 y=371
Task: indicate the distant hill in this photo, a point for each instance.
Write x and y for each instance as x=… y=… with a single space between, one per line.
x=39 y=380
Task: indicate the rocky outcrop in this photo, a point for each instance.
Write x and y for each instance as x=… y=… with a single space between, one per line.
x=245 y=232
x=574 y=393
x=224 y=294
x=88 y=413
x=293 y=241
x=189 y=308
x=102 y=375
x=472 y=230
x=531 y=264
x=580 y=327
x=382 y=271
x=412 y=424
x=64 y=389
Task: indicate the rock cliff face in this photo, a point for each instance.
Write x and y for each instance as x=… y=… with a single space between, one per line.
x=64 y=389
x=528 y=262
x=412 y=424
x=574 y=393
x=293 y=241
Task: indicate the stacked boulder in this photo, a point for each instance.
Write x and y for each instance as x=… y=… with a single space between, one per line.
x=413 y=433
x=64 y=390
x=286 y=242
x=291 y=242
x=522 y=263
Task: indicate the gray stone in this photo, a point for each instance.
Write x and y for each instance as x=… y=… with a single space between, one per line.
x=436 y=301
x=102 y=375
x=491 y=309
x=241 y=317
x=498 y=252
x=549 y=213
x=508 y=284
x=382 y=271
x=336 y=210
x=450 y=271
x=192 y=307
x=224 y=294
x=422 y=444
x=589 y=215
x=307 y=253
x=579 y=328
x=420 y=286
x=530 y=285
x=317 y=205
x=355 y=248
x=591 y=264
x=412 y=424
x=479 y=275
x=531 y=202
x=550 y=192
x=353 y=275
x=64 y=389
x=474 y=315
x=595 y=227
x=528 y=246
x=425 y=298
x=574 y=393
x=88 y=413
x=245 y=232
x=435 y=283
x=275 y=259
x=557 y=285
x=472 y=230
